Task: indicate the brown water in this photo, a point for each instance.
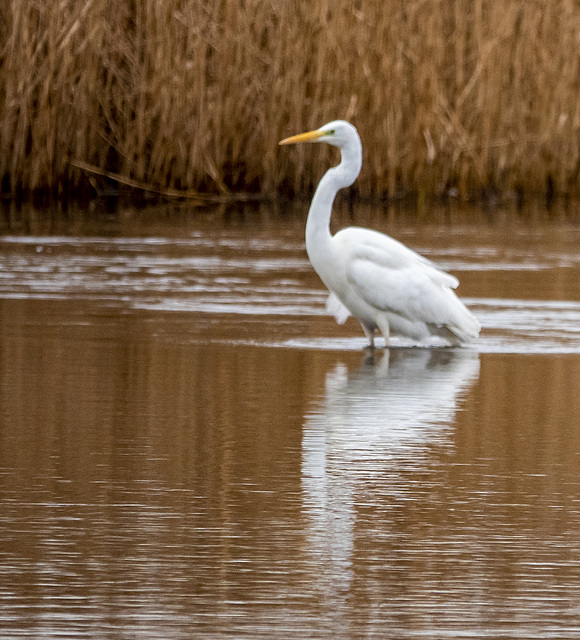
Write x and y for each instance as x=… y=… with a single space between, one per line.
x=191 y=448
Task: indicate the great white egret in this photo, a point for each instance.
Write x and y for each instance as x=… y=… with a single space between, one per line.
x=371 y=276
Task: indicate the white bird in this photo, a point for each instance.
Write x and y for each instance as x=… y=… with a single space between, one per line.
x=371 y=276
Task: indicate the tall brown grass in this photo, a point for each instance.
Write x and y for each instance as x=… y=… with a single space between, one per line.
x=195 y=94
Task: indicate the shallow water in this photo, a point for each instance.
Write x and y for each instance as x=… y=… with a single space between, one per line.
x=190 y=447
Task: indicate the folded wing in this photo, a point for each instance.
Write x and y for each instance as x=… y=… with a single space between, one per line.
x=392 y=278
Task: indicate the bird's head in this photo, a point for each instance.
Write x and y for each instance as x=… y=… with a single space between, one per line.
x=338 y=133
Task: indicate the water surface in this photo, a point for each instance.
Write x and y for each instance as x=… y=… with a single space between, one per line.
x=190 y=447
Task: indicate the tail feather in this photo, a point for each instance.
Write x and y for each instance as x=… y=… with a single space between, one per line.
x=467 y=326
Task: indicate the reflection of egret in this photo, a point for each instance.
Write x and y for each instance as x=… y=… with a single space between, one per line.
x=371 y=276
x=385 y=411
x=374 y=425
x=388 y=411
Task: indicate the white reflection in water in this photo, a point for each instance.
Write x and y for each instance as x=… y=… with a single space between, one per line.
x=372 y=425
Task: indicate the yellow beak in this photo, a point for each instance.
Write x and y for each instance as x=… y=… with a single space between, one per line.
x=309 y=136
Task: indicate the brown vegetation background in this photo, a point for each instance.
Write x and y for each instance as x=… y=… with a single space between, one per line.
x=195 y=94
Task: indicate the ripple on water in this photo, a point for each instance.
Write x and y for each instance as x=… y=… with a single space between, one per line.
x=243 y=276
x=220 y=493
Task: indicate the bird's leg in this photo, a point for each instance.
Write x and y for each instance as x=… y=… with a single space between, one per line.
x=370 y=334
x=385 y=330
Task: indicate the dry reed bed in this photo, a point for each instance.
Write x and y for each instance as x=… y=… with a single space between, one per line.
x=195 y=94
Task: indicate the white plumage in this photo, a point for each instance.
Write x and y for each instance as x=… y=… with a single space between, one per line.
x=371 y=276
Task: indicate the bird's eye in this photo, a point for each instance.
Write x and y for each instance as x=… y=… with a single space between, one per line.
x=331 y=132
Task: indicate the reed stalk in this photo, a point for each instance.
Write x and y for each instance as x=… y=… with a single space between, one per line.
x=195 y=94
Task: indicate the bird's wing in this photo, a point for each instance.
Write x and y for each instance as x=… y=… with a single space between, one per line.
x=393 y=278
x=361 y=243
x=407 y=292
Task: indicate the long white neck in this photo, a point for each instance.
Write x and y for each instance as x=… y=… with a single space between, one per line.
x=318 y=235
